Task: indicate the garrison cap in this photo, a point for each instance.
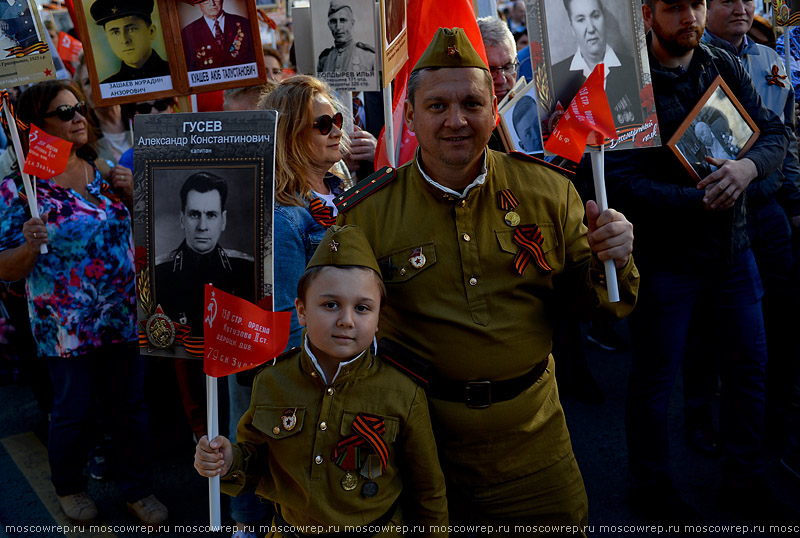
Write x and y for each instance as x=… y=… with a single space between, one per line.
x=336 y=5
x=344 y=246
x=450 y=48
x=107 y=10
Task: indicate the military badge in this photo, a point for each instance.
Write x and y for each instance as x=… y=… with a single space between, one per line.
x=160 y=330
x=237 y=41
x=289 y=419
x=417 y=259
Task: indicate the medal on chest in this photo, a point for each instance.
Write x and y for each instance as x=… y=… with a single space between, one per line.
x=417 y=259
x=508 y=203
x=365 y=444
x=528 y=237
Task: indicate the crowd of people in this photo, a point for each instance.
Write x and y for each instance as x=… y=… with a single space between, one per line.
x=430 y=312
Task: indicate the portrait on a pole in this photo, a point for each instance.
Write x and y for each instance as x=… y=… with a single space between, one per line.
x=203 y=214
x=344 y=44
x=569 y=38
x=25 y=57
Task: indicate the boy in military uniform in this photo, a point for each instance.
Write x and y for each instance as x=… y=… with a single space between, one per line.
x=338 y=431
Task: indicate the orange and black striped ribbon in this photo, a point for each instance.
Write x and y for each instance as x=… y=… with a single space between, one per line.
x=528 y=237
x=774 y=79
x=192 y=344
x=5 y=102
x=322 y=213
x=369 y=431
x=506 y=200
x=19 y=52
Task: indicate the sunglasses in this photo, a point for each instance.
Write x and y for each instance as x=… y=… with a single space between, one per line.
x=67 y=112
x=325 y=123
x=161 y=105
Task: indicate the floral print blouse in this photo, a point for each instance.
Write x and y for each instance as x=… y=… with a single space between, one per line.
x=81 y=294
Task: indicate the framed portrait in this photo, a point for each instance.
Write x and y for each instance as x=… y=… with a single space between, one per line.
x=519 y=120
x=787 y=12
x=568 y=39
x=718 y=126
x=344 y=44
x=62 y=20
x=25 y=57
x=203 y=207
x=220 y=43
x=125 y=46
x=394 y=37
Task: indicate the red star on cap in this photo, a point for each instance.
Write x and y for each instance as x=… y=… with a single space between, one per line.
x=452 y=51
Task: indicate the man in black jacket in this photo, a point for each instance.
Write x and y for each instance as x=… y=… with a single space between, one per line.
x=692 y=250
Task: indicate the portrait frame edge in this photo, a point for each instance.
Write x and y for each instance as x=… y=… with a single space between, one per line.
x=677 y=136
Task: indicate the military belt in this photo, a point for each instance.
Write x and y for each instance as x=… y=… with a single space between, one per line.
x=482 y=393
x=285 y=528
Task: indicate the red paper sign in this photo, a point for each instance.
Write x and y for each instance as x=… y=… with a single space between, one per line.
x=589 y=111
x=238 y=335
x=47 y=154
x=69 y=48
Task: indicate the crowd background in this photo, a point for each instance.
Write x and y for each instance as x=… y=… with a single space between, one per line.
x=592 y=388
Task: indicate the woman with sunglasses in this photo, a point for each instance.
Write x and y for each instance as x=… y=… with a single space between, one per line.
x=310 y=141
x=81 y=299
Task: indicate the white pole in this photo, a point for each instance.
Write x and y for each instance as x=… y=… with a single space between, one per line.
x=26 y=180
x=388 y=120
x=347 y=103
x=787 y=53
x=599 y=173
x=212 y=415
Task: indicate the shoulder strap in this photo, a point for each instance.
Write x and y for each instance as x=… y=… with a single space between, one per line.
x=569 y=174
x=364 y=188
x=414 y=366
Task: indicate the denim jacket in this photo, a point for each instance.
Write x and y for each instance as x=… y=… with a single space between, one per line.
x=296 y=236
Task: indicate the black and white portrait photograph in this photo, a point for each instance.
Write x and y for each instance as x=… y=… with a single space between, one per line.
x=521 y=120
x=718 y=127
x=217 y=34
x=202 y=233
x=569 y=38
x=395 y=19
x=17 y=24
x=344 y=43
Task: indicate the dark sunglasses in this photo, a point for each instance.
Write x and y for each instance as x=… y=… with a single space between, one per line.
x=67 y=112
x=161 y=105
x=325 y=123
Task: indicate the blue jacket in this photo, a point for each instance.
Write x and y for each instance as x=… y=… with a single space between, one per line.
x=674 y=232
x=759 y=61
x=296 y=235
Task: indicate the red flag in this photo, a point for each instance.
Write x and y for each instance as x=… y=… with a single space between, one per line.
x=69 y=48
x=425 y=17
x=238 y=335
x=47 y=154
x=589 y=111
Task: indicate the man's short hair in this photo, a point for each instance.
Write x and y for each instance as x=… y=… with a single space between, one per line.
x=204 y=182
x=414 y=80
x=524 y=106
x=495 y=33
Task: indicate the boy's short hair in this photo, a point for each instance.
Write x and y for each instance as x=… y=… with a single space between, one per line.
x=312 y=273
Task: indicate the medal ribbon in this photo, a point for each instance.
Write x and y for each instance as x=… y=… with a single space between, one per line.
x=5 y=102
x=322 y=213
x=192 y=344
x=506 y=200
x=528 y=237
x=369 y=430
x=774 y=79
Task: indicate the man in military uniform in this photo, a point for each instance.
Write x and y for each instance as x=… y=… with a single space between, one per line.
x=476 y=249
x=16 y=21
x=217 y=39
x=130 y=33
x=344 y=55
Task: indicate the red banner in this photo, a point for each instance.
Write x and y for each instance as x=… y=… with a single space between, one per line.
x=239 y=335
x=69 y=48
x=47 y=154
x=589 y=111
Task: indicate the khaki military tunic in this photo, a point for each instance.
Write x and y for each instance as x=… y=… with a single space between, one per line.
x=293 y=467
x=467 y=310
x=356 y=57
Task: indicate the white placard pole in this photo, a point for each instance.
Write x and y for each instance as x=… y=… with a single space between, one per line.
x=388 y=120
x=26 y=180
x=212 y=414
x=599 y=174
x=347 y=103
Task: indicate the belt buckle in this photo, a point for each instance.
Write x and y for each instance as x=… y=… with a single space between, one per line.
x=478 y=394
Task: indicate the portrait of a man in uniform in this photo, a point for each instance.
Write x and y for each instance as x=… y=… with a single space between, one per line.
x=16 y=23
x=526 y=124
x=130 y=32
x=199 y=258
x=216 y=38
x=589 y=24
x=346 y=54
x=395 y=18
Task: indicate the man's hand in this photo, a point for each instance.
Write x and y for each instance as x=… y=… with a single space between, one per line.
x=214 y=458
x=362 y=148
x=610 y=234
x=726 y=184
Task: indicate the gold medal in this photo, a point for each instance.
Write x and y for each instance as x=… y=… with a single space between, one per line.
x=512 y=219
x=160 y=330
x=350 y=481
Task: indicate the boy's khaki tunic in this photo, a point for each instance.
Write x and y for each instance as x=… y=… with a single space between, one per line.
x=294 y=468
x=468 y=312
